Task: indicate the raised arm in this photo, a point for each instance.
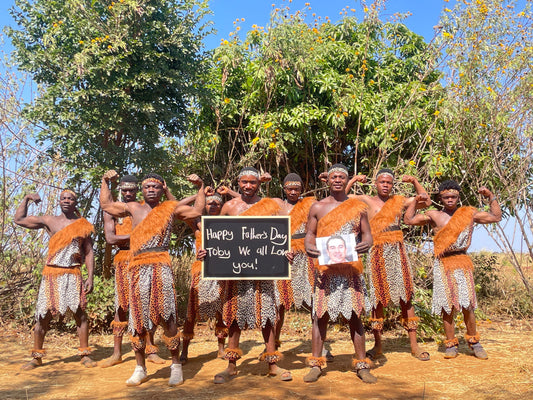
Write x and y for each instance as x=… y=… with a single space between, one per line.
x=310 y=236
x=351 y=182
x=111 y=236
x=115 y=208
x=495 y=213
x=199 y=201
x=411 y=217
x=425 y=202
x=29 y=221
x=89 y=264
x=223 y=190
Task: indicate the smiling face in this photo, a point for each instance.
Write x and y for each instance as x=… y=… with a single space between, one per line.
x=337 y=181
x=336 y=249
x=248 y=185
x=67 y=202
x=384 y=184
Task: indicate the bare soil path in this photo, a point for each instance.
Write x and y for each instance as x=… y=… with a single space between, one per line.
x=507 y=374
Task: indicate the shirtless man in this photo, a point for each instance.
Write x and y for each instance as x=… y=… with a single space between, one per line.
x=338 y=289
x=390 y=273
x=152 y=292
x=70 y=246
x=239 y=312
x=453 y=279
x=117 y=232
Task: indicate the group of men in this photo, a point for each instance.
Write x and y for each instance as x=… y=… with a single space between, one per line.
x=144 y=281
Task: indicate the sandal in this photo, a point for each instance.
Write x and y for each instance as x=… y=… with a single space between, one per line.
x=451 y=352
x=282 y=374
x=224 y=377
x=421 y=355
x=87 y=362
x=313 y=374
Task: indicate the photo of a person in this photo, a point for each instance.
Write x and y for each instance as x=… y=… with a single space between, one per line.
x=336 y=249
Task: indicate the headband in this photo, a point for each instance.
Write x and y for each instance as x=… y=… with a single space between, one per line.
x=385 y=173
x=128 y=185
x=337 y=168
x=215 y=197
x=70 y=192
x=292 y=183
x=246 y=171
x=152 y=180
x=451 y=191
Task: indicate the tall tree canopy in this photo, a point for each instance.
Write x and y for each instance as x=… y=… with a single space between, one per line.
x=117 y=77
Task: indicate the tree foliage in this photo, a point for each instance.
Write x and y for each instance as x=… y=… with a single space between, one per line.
x=299 y=95
x=117 y=77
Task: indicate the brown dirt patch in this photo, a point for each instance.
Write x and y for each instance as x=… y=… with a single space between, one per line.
x=508 y=373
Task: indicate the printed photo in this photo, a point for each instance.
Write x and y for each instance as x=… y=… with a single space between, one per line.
x=336 y=249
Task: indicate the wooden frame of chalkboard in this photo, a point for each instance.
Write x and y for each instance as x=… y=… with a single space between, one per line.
x=244 y=247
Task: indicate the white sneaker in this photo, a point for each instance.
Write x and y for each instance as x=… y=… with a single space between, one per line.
x=176 y=375
x=139 y=376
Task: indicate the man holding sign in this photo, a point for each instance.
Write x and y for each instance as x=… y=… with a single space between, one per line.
x=250 y=303
x=339 y=289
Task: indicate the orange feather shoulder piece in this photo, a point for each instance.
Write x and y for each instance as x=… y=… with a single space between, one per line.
x=333 y=221
x=153 y=224
x=462 y=218
x=300 y=212
x=80 y=228
x=264 y=207
x=388 y=214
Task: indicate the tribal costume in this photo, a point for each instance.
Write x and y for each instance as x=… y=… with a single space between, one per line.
x=120 y=262
x=252 y=304
x=340 y=288
x=390 y=273
x=61 y=287
x=152 y=293
x=298 y=289
x=453 y=279
x=196 y=272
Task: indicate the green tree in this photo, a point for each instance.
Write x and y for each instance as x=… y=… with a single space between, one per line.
x=116 y=77
x=301 y=95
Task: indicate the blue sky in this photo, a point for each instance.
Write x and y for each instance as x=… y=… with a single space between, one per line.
x=424 y=16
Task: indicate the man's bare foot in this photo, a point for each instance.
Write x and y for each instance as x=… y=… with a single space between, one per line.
x=35 y=362
x=110 y=361
x=155 y=359
x=88 y=362
x=374 y=353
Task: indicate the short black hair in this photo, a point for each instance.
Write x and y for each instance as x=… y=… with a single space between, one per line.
x=129 y=179
x=449 y=185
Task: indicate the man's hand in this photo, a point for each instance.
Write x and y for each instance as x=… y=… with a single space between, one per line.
x=323 y=177
x=201 y=254
x=362 y=247
x=312 y=251
x=34 y=197
x=110 y=176
x=209 y=191
x=408 y=179
x=290 y=256
x=222 y=190
x=265 y=177
x=195 y=180
x=421 y=198
x=88 y=285
x=358 y=178
x=485 y=192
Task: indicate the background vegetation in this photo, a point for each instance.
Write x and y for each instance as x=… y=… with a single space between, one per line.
x=127 y=85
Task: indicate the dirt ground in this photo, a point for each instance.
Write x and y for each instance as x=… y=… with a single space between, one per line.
x=508 y=373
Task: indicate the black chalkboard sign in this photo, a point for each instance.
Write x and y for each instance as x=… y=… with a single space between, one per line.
x=246 y=247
